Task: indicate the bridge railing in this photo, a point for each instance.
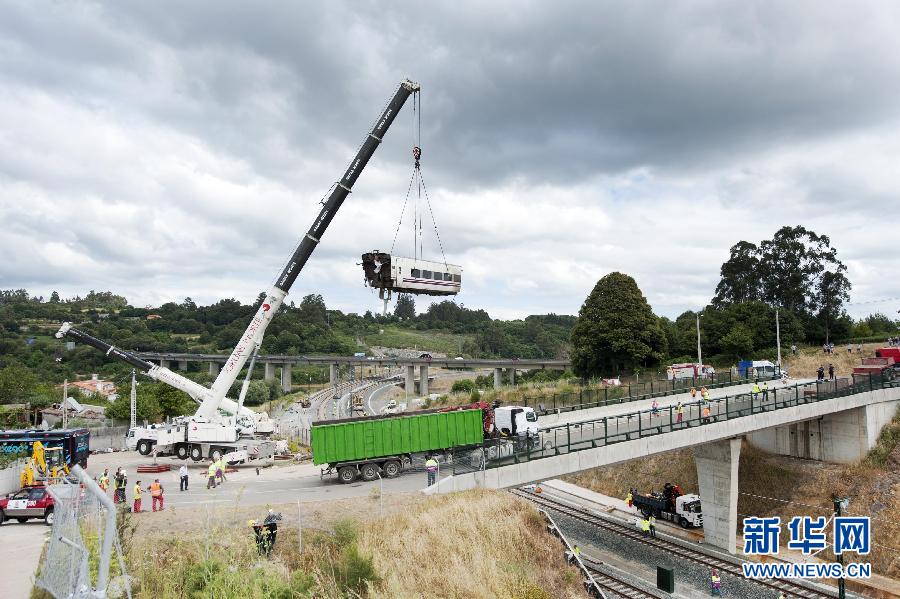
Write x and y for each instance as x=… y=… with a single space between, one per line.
x=610 y=430
x=597 y=397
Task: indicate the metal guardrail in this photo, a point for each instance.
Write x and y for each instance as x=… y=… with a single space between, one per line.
x=559 y=403
x=608 y=430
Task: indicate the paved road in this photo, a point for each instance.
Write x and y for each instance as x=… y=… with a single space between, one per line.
x=24 y=543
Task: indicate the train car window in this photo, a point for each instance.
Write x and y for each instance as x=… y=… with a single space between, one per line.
x=457 y=278
x=426 y=274
x=448 y=276
x=415 y=272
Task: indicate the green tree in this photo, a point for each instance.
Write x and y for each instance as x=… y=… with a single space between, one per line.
x=616 y=330
x=313 y=310
x=257 y=393
x=738 y=343
x=739 y=276
x=54 y=298
x=406 y=307
x=17 y=383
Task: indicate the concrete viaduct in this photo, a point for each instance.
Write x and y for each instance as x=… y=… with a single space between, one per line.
x=270 y=363
x=829 y=421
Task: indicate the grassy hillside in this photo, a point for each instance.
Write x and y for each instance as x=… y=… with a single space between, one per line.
x=404 y=338
x=452 y=544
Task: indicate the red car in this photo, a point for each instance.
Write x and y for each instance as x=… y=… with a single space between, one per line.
x=30 y=502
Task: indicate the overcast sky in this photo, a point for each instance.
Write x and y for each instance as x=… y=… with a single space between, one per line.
x=172 y=149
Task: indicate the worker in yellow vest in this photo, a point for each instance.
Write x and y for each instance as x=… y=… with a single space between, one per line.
x=645 y=526
x=156 y=494
x=755 y=389
x=679 y=413
x=629 y=499
x=211 y=474
x=137 y=497
x=103 y=481
x=716 y=582
x=431 y=468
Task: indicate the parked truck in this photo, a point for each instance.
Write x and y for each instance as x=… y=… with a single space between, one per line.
x=671 y=505
x=373 y=446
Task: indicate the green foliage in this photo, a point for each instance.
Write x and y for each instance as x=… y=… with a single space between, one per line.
x=17 y=384
x=738 y=343
x=353 y=571
x=463 y=386
x=798 y=271
x=887 y=443
x=616 y=330
x=257 y=393
x=406 y=307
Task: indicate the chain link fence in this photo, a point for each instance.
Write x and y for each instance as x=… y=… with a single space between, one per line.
x=76 y=564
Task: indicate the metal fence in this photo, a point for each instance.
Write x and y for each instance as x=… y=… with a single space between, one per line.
x=608 y=430
x=593 y=397
x=84 y=525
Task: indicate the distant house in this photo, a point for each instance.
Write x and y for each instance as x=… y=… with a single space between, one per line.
x=95 y=386
x=153 y=316
x=82 y=411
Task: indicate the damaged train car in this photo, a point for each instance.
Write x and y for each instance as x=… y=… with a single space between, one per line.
x=389 y=274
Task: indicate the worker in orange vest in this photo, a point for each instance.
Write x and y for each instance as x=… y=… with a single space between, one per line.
x=137 y=498
x=156 y=492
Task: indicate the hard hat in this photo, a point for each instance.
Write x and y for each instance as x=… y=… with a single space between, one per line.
x=251 y=523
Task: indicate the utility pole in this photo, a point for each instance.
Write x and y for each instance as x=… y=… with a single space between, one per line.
x=133 y=399
x=65 y=404
x=778 y=337
x=840 y=503
x=699 y=353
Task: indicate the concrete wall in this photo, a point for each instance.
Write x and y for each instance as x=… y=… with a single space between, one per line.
x=717 y=477
x=842 y=437
x=108 y=436
x=9 y=477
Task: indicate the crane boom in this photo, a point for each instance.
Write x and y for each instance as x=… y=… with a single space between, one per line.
x=214 y=398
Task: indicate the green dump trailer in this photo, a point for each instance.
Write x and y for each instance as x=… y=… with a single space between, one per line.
x=383 y=445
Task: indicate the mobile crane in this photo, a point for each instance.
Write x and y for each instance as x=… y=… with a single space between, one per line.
x=206 y=433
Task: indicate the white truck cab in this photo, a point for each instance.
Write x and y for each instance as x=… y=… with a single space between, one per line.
x=688 y=507
x=516 y=421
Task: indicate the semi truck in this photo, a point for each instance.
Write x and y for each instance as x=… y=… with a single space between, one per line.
x=221 y=425
x=374 y=446
x=671 y=505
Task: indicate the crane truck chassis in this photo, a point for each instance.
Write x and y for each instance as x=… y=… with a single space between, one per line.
x=683 y=510
x=207 y=433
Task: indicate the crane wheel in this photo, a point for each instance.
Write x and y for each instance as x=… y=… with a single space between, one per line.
x=144 y=447
x=182 y=452
x=196 y=453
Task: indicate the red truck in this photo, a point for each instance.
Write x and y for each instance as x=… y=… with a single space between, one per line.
x=30 y=502
x=889 y=352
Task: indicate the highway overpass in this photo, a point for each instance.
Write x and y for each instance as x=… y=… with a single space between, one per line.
x=285 y=362
x=849 y=417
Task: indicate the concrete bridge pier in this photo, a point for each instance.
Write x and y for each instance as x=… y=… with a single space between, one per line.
x=213 y=369
x=164 y=363
x=268 y=372
x=286 y=377
x=333 y=375
x=411 y=380
x=512 y=376
x=498 y=378
x=423 y=380
x=182 y=365
x=717 y=477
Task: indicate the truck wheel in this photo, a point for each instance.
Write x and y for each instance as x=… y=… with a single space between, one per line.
x=682 y=522
x=2 y=517
x=196 y=453
x=144 y=447
x=48 y=516
x=21 y=520
x=391 y=469
x=347 y=474
x=182 y=452
x=369 y=472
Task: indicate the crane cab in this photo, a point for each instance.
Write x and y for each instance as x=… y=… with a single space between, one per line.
x=409 y=275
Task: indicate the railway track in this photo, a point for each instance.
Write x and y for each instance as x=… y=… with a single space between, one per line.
x=791 y=589
x=613 y=587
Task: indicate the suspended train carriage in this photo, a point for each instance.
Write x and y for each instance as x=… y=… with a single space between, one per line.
x=391 y=274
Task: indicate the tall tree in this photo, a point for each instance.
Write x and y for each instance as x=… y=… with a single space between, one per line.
x=616 y=330
x=313 y=310
x=740 y=276
x=406 y=306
